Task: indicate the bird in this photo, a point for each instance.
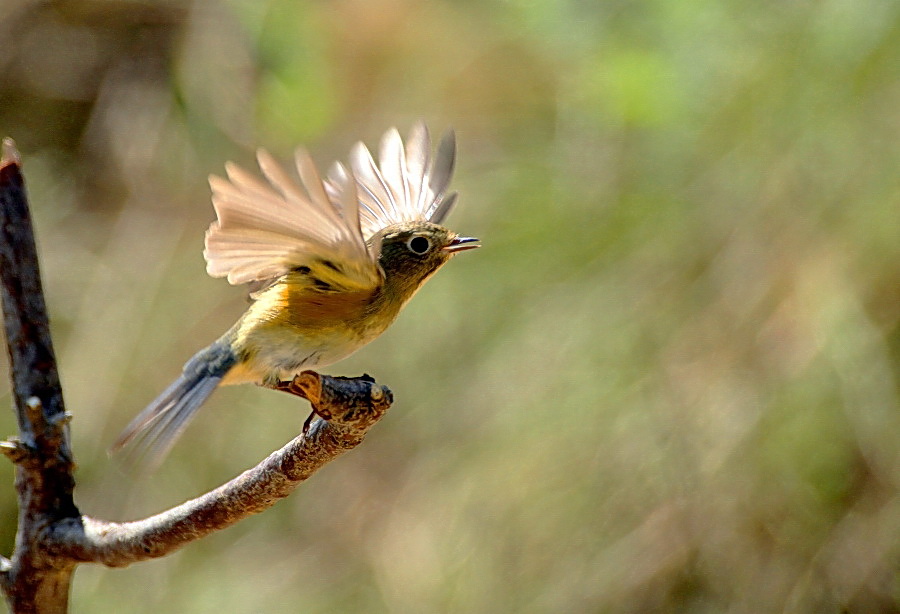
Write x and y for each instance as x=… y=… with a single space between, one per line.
x=329 y=263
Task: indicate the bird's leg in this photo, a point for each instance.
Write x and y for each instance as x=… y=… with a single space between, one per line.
x=306 y=385
x=308 y=422
x=330 y=395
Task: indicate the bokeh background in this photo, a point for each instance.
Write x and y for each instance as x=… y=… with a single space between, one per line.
x=667 y=383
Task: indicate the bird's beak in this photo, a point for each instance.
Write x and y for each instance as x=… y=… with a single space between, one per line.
x=460 y=244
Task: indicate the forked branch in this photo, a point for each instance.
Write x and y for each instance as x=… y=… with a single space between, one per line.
x=53 y=536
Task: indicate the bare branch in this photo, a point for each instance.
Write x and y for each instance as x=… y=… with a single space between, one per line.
x=53 y=536
x=33 y=581
x=355 y=404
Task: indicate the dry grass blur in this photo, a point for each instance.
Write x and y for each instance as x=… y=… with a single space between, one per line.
x=669 y=381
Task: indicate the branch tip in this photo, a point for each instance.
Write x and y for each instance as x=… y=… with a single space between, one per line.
x=62 y=419
x=377 y=393
x=14 y=450
x=34 y=406
x=9 y=154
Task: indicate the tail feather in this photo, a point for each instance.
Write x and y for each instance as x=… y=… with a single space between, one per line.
x=149 y=437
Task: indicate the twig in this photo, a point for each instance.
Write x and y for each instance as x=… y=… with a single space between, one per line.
x=53 y=536
x=356 y=405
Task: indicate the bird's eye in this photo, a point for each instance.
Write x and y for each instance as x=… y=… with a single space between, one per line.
x=418 y=245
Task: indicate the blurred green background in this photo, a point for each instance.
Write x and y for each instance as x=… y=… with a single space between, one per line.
x=667 y=383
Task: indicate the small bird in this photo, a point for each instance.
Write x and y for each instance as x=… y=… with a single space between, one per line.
x=330 y=263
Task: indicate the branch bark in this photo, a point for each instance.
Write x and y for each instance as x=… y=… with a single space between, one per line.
x=41 y=451
x=355 y=406
x=53 y=536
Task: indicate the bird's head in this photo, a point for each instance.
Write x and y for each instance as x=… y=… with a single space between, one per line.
x=412 y=252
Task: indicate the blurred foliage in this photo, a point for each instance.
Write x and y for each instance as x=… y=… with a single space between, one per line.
x=668 y=383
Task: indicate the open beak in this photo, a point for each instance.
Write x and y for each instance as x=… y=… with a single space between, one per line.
x=461 y=244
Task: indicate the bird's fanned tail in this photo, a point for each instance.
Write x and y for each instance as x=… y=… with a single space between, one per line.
x=148 y=438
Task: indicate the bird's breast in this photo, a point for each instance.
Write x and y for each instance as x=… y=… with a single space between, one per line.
x=290 y=328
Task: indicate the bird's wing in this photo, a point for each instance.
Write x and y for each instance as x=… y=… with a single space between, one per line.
x=407 y=184
x=266 y=229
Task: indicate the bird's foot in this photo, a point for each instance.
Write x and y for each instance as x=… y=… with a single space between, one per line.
x=334 y=396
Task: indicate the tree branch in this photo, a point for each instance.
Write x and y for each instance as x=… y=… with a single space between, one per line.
x=53 y=536
x=356 y=405
x=44 y=482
